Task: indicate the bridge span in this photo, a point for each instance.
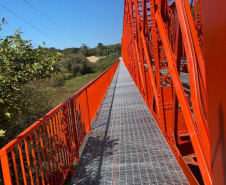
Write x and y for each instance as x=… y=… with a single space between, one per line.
x=126 y=145
x=169 y=108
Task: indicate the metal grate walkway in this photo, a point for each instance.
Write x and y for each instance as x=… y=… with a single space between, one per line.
x=126 y=146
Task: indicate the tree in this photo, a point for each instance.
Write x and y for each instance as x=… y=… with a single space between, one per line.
x=98 y=51
x=20 y=63
x=84 y=50
x=71 y=50
x=100 y=45
x=78 y=64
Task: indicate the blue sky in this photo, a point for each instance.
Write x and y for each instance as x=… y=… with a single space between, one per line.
x=91 y=21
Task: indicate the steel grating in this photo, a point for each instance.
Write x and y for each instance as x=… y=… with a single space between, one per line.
x=126 y=145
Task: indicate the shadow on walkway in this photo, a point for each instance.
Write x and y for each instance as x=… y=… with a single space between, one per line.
x=88 y=170
x=99 y=146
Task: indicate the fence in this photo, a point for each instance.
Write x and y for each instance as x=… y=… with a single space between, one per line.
x=44 y=153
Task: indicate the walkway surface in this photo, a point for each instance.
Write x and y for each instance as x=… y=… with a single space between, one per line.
x=126 y=146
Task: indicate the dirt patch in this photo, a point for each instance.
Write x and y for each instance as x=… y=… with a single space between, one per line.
x=93 y=59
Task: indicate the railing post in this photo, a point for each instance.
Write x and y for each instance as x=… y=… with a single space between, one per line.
x=96 y=97
x=68 y=139
x=5 y=167
x=74 y=128
x=108 y=76
x=87 y=100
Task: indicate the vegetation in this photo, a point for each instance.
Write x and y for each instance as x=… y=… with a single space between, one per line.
x=72 y=84
x=20 y=64
x=100 y=50
x=70 y=87
x=30 y=77
x=104 y=63
x=34 y=80
x=25 y=69
x=77 y=64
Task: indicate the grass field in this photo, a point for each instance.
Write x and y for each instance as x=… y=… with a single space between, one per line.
x=71 y=86
x=74 y=84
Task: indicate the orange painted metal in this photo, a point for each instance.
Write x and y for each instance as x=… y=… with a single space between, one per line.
x=163 y=38
x=44 y=153
x=214 y=37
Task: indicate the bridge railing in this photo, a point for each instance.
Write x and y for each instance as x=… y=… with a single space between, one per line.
x=44 y=153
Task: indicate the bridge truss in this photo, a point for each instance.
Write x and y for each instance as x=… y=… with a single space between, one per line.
x=162 y=40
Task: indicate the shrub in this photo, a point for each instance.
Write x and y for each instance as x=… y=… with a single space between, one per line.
x=37 y=98
x=20 y=64
x=77 y=64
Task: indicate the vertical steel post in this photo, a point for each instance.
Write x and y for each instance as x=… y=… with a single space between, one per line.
x=5 y=167
x=68 y=139
x=74 y=128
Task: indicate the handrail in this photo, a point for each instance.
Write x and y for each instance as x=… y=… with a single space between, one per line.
x=53 y=142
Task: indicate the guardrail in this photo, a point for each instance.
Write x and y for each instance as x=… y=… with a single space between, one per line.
x=44 y=153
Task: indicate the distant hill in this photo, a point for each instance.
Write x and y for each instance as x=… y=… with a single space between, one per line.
x=100 y=50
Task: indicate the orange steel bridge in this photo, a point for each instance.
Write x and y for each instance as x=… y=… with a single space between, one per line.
x=174 y=52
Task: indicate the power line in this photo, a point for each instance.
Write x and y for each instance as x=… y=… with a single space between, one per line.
x=53 y=21
x=33 y=26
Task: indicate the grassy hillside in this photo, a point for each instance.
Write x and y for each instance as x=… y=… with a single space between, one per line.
x=71 y=86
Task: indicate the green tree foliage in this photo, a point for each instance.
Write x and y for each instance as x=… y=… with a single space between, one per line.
x=71 y=50
x=100 y=45
x=37 y=98
x=100 y=50
x=20 y=64
x=84 y=50
x=75 y=61
x=77 y=64
x=112 y=49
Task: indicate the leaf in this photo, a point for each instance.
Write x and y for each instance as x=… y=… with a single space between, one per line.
x=1 y=101
x=8 y=115
x=16 y=89
x=2 y=132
